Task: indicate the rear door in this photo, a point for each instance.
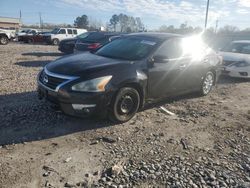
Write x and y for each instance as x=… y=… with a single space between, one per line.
x=70 y=33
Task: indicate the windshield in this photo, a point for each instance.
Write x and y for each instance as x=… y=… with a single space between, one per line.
x=130 y=48
x=243 y=48
x=55 y=31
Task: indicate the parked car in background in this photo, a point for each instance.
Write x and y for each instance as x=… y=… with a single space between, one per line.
x=128 y=72
x=58 y=34
x=22 y=32
x=6 y=35
x=94 y=41
x=36 y=38
x=67 y=45
x=29 y=32
x=236 y=59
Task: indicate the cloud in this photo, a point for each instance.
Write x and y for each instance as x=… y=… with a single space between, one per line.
x=244 y=3
x=160 y=9
x=242 y=11
x=164 y=11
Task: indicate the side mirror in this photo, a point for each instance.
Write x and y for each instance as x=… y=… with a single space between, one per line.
x=160 y=59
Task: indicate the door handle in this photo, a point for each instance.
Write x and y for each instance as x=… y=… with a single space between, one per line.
x=206 y=60
x=183 y=66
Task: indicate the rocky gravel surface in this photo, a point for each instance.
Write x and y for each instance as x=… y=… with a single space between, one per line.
x=204 y=141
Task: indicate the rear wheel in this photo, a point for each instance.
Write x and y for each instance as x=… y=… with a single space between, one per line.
x=207 y=83
x=30 y=41
x=55 y=42
x=125 y=105
x=4 y=40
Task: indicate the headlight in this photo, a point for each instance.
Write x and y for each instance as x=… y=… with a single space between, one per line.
x=94 y=85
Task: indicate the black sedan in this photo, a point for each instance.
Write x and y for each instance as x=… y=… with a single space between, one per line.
x=123 y=75
x=67 y=45
x=94 y=41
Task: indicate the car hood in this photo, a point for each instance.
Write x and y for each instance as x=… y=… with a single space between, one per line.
x=235 y=57
x=78 y=64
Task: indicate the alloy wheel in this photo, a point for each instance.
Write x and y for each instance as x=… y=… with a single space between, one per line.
x=208 y=83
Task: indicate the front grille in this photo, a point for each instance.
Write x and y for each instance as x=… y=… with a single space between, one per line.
x=50 y=81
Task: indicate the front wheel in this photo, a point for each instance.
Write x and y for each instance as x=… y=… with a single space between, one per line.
x=4 y=40
x=55 y=42
x=207 y=83
x=30 y=41
x=125 y=105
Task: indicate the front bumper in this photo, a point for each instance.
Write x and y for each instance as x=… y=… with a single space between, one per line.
x=66 y=49
x=80 y=104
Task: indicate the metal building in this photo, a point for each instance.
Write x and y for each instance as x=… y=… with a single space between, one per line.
x=10 y=23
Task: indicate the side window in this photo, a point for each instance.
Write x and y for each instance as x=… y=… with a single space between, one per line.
x=170 y=49
x=246 y=49
x=33 y=32
x=75 y=32
x=69 y=31
x=62 y=31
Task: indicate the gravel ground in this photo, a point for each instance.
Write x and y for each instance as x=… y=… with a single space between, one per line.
x=205 y=144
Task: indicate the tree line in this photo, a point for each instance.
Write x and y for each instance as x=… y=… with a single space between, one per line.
x=117 y=23
x=184 y=28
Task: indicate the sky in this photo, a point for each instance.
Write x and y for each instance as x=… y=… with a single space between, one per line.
x=153 y=13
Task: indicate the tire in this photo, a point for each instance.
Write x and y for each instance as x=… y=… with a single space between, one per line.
x=30 y=41
x=55 y=42
x=207 y=83
x=4 y=40
x=124 y=105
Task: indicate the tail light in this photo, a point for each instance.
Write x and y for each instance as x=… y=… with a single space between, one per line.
x=94 y=46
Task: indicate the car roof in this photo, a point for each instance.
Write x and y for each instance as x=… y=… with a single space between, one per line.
x=242 y=41
x=161 y=36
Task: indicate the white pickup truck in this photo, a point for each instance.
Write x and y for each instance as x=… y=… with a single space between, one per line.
x=6 y=35
x=59 y=34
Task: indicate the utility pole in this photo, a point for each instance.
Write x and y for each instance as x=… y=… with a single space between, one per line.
x=20 y=18
x=20 y=15
x=206 y=14
x=40 y=17
x=216 y=26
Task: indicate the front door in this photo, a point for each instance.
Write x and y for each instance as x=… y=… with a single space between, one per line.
x=167 y=78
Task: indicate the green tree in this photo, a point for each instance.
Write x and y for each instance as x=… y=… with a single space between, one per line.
x=82 y=22
x=114 y=21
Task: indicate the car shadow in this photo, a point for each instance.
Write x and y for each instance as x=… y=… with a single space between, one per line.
x=24 y=118
x=41 y=54
x=170 y=100
x=32 y=63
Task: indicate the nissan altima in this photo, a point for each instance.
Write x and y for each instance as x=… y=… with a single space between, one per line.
x=122 y=76
x=236 y=59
